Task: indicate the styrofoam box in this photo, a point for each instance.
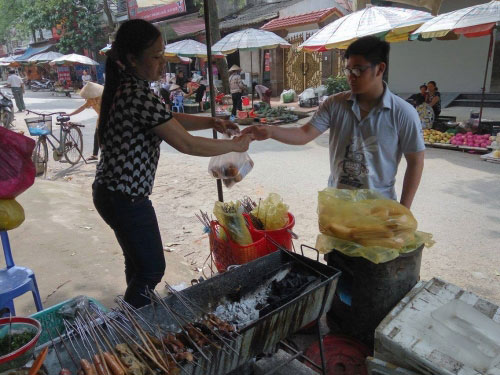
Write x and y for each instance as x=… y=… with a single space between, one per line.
x=439 y=328
x=378 y=367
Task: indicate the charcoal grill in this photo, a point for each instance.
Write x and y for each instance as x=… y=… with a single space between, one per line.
x=259 y=336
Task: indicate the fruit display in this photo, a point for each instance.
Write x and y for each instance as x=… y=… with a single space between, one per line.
x=471 y=140
x=435 y=136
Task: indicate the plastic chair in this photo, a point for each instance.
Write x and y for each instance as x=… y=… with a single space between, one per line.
x=15 y=280
x=178 y=103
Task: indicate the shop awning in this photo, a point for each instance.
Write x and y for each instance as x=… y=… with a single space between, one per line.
x=33 y=51
x=303 y=19
x=180 y=27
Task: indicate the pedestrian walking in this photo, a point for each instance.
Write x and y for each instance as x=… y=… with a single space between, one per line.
x=236 y=86
x=17 y=86
x=92 y=93
x=132 y=124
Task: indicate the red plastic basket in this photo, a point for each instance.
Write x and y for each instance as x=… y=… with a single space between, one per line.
x=227 y=252
x=281 y=236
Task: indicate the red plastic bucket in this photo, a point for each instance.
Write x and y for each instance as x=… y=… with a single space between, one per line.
x=245 y=101
x=282 y=236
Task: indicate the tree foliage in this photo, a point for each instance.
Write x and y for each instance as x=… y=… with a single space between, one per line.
x=77 y=21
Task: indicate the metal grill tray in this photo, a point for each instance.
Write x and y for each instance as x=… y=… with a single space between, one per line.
x=260 y=335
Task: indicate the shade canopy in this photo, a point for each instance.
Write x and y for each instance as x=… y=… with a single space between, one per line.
x=46 y=56
x=188 y=48
x=249 y=39
x=390 y=23
x=74 y=58
x=473 y=21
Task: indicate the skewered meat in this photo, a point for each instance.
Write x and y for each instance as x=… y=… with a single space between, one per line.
x=113 y=365
x=87 y=368
x=134 y=366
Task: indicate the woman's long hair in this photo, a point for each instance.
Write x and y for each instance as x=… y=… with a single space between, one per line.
x=132 y=38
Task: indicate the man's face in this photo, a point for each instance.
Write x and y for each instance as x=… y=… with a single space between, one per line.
x=369 y=75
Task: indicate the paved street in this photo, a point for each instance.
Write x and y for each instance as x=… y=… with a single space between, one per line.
x=73 y=252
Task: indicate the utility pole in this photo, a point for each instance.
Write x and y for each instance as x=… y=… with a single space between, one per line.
x=215 y=31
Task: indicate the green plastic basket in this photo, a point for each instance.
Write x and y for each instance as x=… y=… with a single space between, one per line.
x=52 y=322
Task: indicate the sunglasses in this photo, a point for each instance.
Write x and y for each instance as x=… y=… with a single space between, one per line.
x=356 y=71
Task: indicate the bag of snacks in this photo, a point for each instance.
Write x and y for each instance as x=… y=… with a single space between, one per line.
x=230 y=216
x=365 y=223
x=11 y=214
x=272 y=212
x=231 y=167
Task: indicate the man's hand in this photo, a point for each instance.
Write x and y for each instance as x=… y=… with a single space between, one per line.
x=226 y=127
x=241 y=143
x=259 y=132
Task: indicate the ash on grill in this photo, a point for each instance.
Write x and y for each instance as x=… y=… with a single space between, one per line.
x=280 y=289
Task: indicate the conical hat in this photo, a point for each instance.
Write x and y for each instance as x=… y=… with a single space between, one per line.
x=234 y=68
x=91 y=90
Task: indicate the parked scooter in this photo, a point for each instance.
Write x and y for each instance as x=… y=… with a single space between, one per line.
x=44 y=84
x=6 y=109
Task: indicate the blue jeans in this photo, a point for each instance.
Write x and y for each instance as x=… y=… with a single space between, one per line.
x=133 y=219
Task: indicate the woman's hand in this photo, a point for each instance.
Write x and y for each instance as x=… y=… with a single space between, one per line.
x=226 y=127
x=241 y=143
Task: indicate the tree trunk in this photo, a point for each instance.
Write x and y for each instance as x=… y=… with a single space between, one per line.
x=109 y=17
x=33 y=33
x=214 y=29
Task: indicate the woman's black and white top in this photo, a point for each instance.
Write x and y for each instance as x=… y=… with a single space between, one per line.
x=130 y=149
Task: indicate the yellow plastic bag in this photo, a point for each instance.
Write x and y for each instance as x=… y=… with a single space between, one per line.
x=272 y=212
x=364 y=223
x=230 y=216
x=11 y=214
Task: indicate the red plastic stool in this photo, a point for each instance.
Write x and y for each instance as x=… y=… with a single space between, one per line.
x=343 y=355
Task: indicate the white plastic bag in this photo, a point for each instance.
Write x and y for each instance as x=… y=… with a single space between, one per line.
x=320 y=91
x=307 y=94
x=231 y=167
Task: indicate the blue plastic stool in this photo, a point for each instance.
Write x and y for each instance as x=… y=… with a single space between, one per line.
x=15 y=280
x=178 y=103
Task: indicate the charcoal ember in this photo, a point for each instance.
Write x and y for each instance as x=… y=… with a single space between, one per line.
x=285 y=290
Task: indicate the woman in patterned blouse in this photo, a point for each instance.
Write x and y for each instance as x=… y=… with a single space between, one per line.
x=132 y=124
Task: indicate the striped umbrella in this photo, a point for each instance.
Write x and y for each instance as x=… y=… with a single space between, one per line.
x=390 y=23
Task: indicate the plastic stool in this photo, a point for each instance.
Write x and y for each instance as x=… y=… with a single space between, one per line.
x=15 y=280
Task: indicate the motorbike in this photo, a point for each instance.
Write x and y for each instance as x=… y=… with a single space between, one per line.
x=6 y=109
x=44 y=84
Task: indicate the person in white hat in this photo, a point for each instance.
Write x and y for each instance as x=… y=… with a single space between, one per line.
x=175 y=90
x=236 y=86
x=92 y=93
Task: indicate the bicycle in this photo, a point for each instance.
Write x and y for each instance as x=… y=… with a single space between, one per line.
x=69 y=143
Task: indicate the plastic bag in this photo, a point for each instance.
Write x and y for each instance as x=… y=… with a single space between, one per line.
x=307 y=94
x=288 y=96
x=272 y=212
x=231 y=167
x=320 y=91
x=11 y=214
x=17 y=171
x=364 y=223
x=230 y=216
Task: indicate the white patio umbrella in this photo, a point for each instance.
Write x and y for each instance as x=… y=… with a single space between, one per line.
x=250 y=40
x=188 y=48
x=75 y=59
x=474 y=21
x=45 y=56
x=392 y=24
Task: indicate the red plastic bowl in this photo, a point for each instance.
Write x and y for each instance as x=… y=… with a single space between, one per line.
x=30 y=346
